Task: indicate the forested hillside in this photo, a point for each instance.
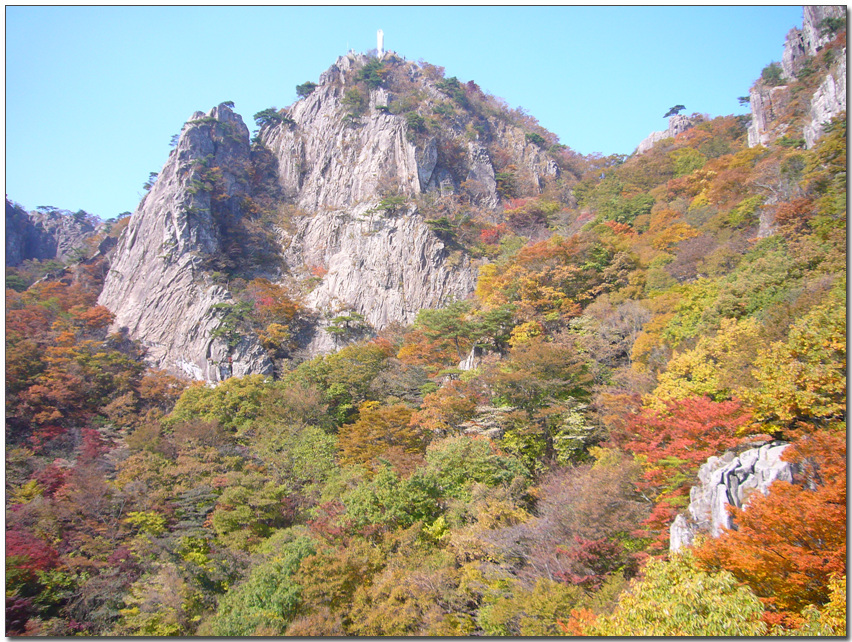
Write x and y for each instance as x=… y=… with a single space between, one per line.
x=509 y=463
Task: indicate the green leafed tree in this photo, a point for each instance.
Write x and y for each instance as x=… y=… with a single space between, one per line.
x=267 y=601
x=305 y=89
x=674 y=598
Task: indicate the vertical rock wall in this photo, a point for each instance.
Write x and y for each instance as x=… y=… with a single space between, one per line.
x=828 y=101
x=385 y=267
x=157 y=287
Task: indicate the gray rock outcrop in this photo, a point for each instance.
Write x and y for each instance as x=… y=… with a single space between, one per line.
x=677 y=125
x=385 y=267
x=814 y=36
x=725 y=481
x=23 y=239
x=472 y=360
x=829 y=99
x=336 y=153
x=807 y=41
x=766 y=104
x=338 y=163
x=333 y=158
x=795 y=53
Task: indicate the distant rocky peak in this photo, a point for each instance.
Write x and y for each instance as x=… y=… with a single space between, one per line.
x=811 y=52
x=45 y=233
x=678 y=124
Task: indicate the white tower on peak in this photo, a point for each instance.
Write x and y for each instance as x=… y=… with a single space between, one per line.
x=380 y=43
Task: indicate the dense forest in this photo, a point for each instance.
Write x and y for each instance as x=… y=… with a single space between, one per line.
x=509 y=464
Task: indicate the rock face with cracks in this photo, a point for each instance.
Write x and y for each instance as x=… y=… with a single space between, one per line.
x=385 y=267
x=829 y=100
x=358 y=173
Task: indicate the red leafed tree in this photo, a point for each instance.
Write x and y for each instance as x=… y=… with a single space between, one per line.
x=588 y=562
x=492 y=235
x=273 y=303
x=92 y=445
x=52 y=478
x=28 y=554
x=674 y=443
x=788 y=543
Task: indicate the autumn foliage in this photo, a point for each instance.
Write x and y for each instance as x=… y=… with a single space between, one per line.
x=673 y=443
x=506 y=464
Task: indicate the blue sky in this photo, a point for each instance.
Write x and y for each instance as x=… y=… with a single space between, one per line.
x=94 y=94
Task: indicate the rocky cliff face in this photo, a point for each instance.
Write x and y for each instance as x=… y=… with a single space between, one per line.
x=339 y=161
x=384 y=267
x=335 y=152
x=726 y=481
x=158 y=287
x=807 y=41
x=44 y=234
x=361 y=168
x=771 y=105
x=766 y=104
x=828 y=101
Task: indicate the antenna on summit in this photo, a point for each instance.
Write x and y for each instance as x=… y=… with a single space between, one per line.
x=380 y=43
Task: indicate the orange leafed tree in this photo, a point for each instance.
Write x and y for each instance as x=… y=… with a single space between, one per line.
x=673 y=444
x=382 y=432
x=443 y=410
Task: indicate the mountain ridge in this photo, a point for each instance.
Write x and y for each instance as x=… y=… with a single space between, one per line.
x=348 y=201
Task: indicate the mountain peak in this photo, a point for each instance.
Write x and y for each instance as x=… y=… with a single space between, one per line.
x=342 y=200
